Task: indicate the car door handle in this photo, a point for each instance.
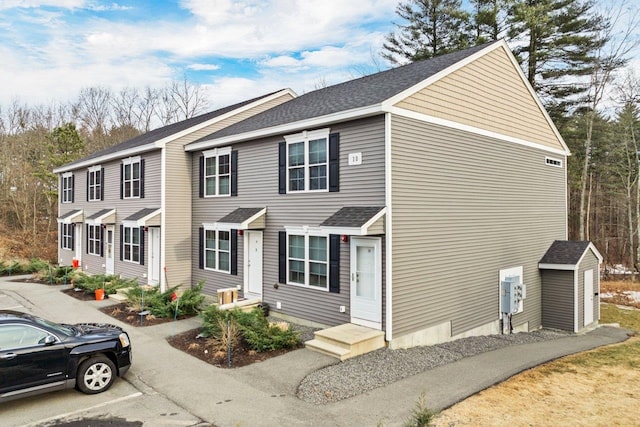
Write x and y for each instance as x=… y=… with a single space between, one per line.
x=8 y=356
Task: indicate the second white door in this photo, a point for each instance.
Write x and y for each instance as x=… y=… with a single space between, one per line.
x=253 y=264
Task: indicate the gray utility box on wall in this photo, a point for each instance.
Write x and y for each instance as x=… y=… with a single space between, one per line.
x=512 y=293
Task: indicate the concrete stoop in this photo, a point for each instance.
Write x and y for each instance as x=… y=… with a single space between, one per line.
x=244 y=305
x=346 y=341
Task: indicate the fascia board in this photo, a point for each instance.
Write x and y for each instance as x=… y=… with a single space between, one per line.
x=288 y=128
x=108 y=157
x=566 y=267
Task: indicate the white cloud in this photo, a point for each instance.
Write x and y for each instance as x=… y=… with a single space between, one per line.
x=65 y=4
x=203 y=67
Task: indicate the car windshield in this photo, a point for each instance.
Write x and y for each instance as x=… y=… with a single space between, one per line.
x=64 y=329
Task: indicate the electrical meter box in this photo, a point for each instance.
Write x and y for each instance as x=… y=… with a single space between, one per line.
x=512 y=293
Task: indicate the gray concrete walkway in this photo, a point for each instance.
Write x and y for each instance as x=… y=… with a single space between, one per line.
x=264 y=394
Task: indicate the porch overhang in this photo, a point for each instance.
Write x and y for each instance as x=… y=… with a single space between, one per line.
x=244 y=219
x=104 y=216
x=72 y=217
x=356 y=221
x=148 y=217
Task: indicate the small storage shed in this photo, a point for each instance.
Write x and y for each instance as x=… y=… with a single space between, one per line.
x=570 y=273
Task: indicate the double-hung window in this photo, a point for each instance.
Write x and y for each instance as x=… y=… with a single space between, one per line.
x=217 y=172
x=94 y=183
x=94 y=239
x=131 y=244
x=67 y=236
x=131 y=177
x=307 y=257
x=217 y=250
x=66 y=193
x=307 y=161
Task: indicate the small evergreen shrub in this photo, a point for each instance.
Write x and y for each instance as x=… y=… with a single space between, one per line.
x=164 y=304
x=110 y=283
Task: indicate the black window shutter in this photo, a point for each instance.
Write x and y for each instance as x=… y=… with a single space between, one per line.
x=61 y=235
x=142 y=245
x=73 y=235
x=86 y=239
x=334 y=263
x=101 y=241
x=282 y=168
x=121 y=242
x=282 y=256
x=87 y=186
x=334 y=162
x=102 y=184
x=234 y=252
x=201 y=248
x=142 y=179
x=201 y=177
x=234 y=173
x=73 y=187
x=121 y=181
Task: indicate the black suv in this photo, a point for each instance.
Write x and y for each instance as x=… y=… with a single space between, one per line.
x=37 y=355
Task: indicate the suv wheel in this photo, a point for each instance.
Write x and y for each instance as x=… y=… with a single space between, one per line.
x=95 y=375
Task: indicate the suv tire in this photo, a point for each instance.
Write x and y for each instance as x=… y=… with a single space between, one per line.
x=95 y=375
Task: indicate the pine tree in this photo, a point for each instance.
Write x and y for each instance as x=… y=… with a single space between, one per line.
x=555 y=41
x=432 y=28
x=489 y=19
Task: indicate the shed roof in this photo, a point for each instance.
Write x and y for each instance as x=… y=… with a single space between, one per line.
x=568 y=252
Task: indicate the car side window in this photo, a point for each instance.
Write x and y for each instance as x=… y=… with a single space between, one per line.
x=20 y=336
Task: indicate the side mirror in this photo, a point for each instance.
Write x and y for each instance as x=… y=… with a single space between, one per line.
x=49 y=339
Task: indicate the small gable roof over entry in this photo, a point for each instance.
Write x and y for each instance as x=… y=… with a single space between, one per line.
x=567 y=254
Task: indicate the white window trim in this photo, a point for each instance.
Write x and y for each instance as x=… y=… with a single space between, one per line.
x=124 y=244
x=65 y=189
x=95 y=170
x=97 y=242
x=305 y=137
x=552 y=161
x=66 y=238
x=217 y=153
x=130 y=161
x=307 y=231
x=216 y=229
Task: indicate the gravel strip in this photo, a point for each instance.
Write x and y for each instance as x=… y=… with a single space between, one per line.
x=382 y=367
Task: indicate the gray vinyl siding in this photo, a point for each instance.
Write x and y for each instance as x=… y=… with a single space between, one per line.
x=361 y=185
x=465 y=206
x=124 y=207
x=178 y=195
x=558 y=299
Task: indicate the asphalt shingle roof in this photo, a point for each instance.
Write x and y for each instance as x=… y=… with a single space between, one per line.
x=140 y=214
x=362 y=92
x=165 y=131
x=70 y=214
x=240 y=215
x=351 y=216
x=99 y=213
x=565 y=252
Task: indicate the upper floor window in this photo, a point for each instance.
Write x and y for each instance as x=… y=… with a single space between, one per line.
x=217 y=250
x=132 y=178
x=95 y=178
x=66 y=193
x=94 y=239
x=217 y=172
x=307 y=161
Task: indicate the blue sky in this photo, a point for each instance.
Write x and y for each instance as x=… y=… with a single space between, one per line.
x=236 y=49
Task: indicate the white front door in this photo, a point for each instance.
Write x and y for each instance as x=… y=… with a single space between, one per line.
x=366 y=282
x=253 y=264
x=588 y=297
x=78 y=249
x=154 y=255
x=109 y=250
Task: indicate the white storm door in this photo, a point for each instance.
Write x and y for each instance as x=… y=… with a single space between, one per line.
x=253 y=263
x=588 y=297
x=109 y=250
x=78 y=239
x=366 y=282
x=154 y=255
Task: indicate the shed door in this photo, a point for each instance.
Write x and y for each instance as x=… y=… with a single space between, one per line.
x=588 y=297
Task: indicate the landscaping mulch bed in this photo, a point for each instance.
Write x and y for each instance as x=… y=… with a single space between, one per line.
x=81 y=295
x=241 y=355
x=122 y=313
x=35 y=281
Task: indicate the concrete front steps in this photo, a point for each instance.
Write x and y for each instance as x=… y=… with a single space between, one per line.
x=346 y=341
